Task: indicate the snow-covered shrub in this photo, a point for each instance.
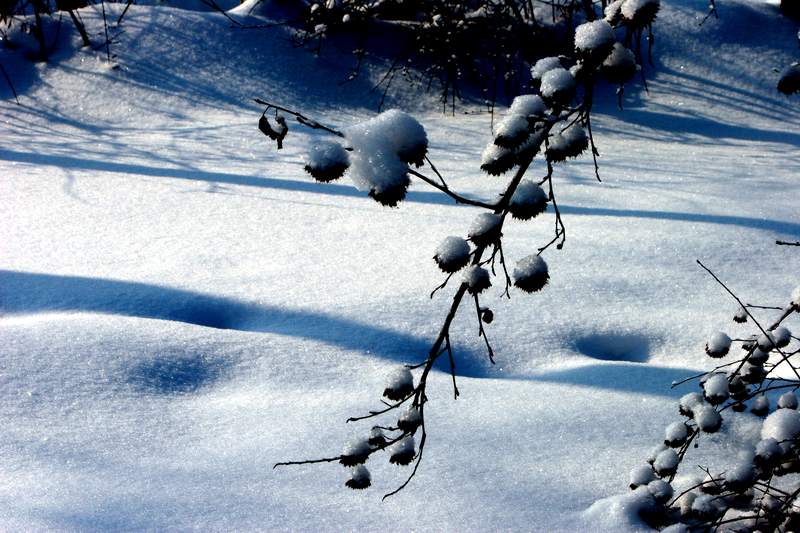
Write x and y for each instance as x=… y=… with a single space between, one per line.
x=383 y=154
x=754 y=489
x=486 y=43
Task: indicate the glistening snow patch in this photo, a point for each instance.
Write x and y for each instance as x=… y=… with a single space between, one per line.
x=611 y=346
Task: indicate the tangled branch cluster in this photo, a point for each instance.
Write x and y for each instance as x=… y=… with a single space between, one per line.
x=383 y=154
x=482 y=42
x=758 y=491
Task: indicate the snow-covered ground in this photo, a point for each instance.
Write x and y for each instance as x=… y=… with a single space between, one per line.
x=181 y=306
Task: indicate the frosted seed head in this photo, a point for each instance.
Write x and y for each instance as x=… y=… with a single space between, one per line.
x=531 y=274
x=528 y=201
x=359 y=478
x=403 y=452
x=326 y=161
x=477 y=279
x=355 y=452
x=718 y=345
x=399 y=384
x=452 y=254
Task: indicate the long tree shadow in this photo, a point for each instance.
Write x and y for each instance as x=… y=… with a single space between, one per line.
x=67 y=162
x=624 y=377
x=25 y=292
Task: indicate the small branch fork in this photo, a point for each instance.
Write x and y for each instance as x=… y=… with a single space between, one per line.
x=442 y=343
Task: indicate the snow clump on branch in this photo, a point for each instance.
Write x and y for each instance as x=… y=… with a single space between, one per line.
x=452 y=254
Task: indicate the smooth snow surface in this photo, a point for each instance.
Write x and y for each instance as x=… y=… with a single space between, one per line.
x=182 y=306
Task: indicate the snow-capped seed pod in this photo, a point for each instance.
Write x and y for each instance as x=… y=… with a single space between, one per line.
x=487 y=316
x=531 y=274
x=781 y=336
x=789 y=83
x=403 y=452
x=392 y=194
x=753 y=373
x=704 y=507
x=657 y=449
x=676 y=434
x=788 y=400
x=620 y=65
x=639 y=13
x=531 y=146
x=359 y=478
x=496 y=160
x=400 y=133
x=760 y=405
x=594 y=40
x=640 y=476
x=715 y=389
x=376 y=438
x=689 y=402
x=741 y=477
x=558 y=86
x=543 y=66
x=768 y=453
x=326 y=161
x=528 y=105
x=737 y=388
x=749 y=342
x=486 y=229
x=477 y=279
x=766 y=341
x=666 y=463
x=661 y=491
x=707 y=419
x=569 y=143
x=452 y=254
x=782 y=425
x=758 y=357
x=399 y=384
x=796 y=297
x=684 y=504
x=613 y=12
x=410 y=419
x=740 y=316
x=355 y=452
x=718 y=345
x=511 y=131
x=528 y=201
